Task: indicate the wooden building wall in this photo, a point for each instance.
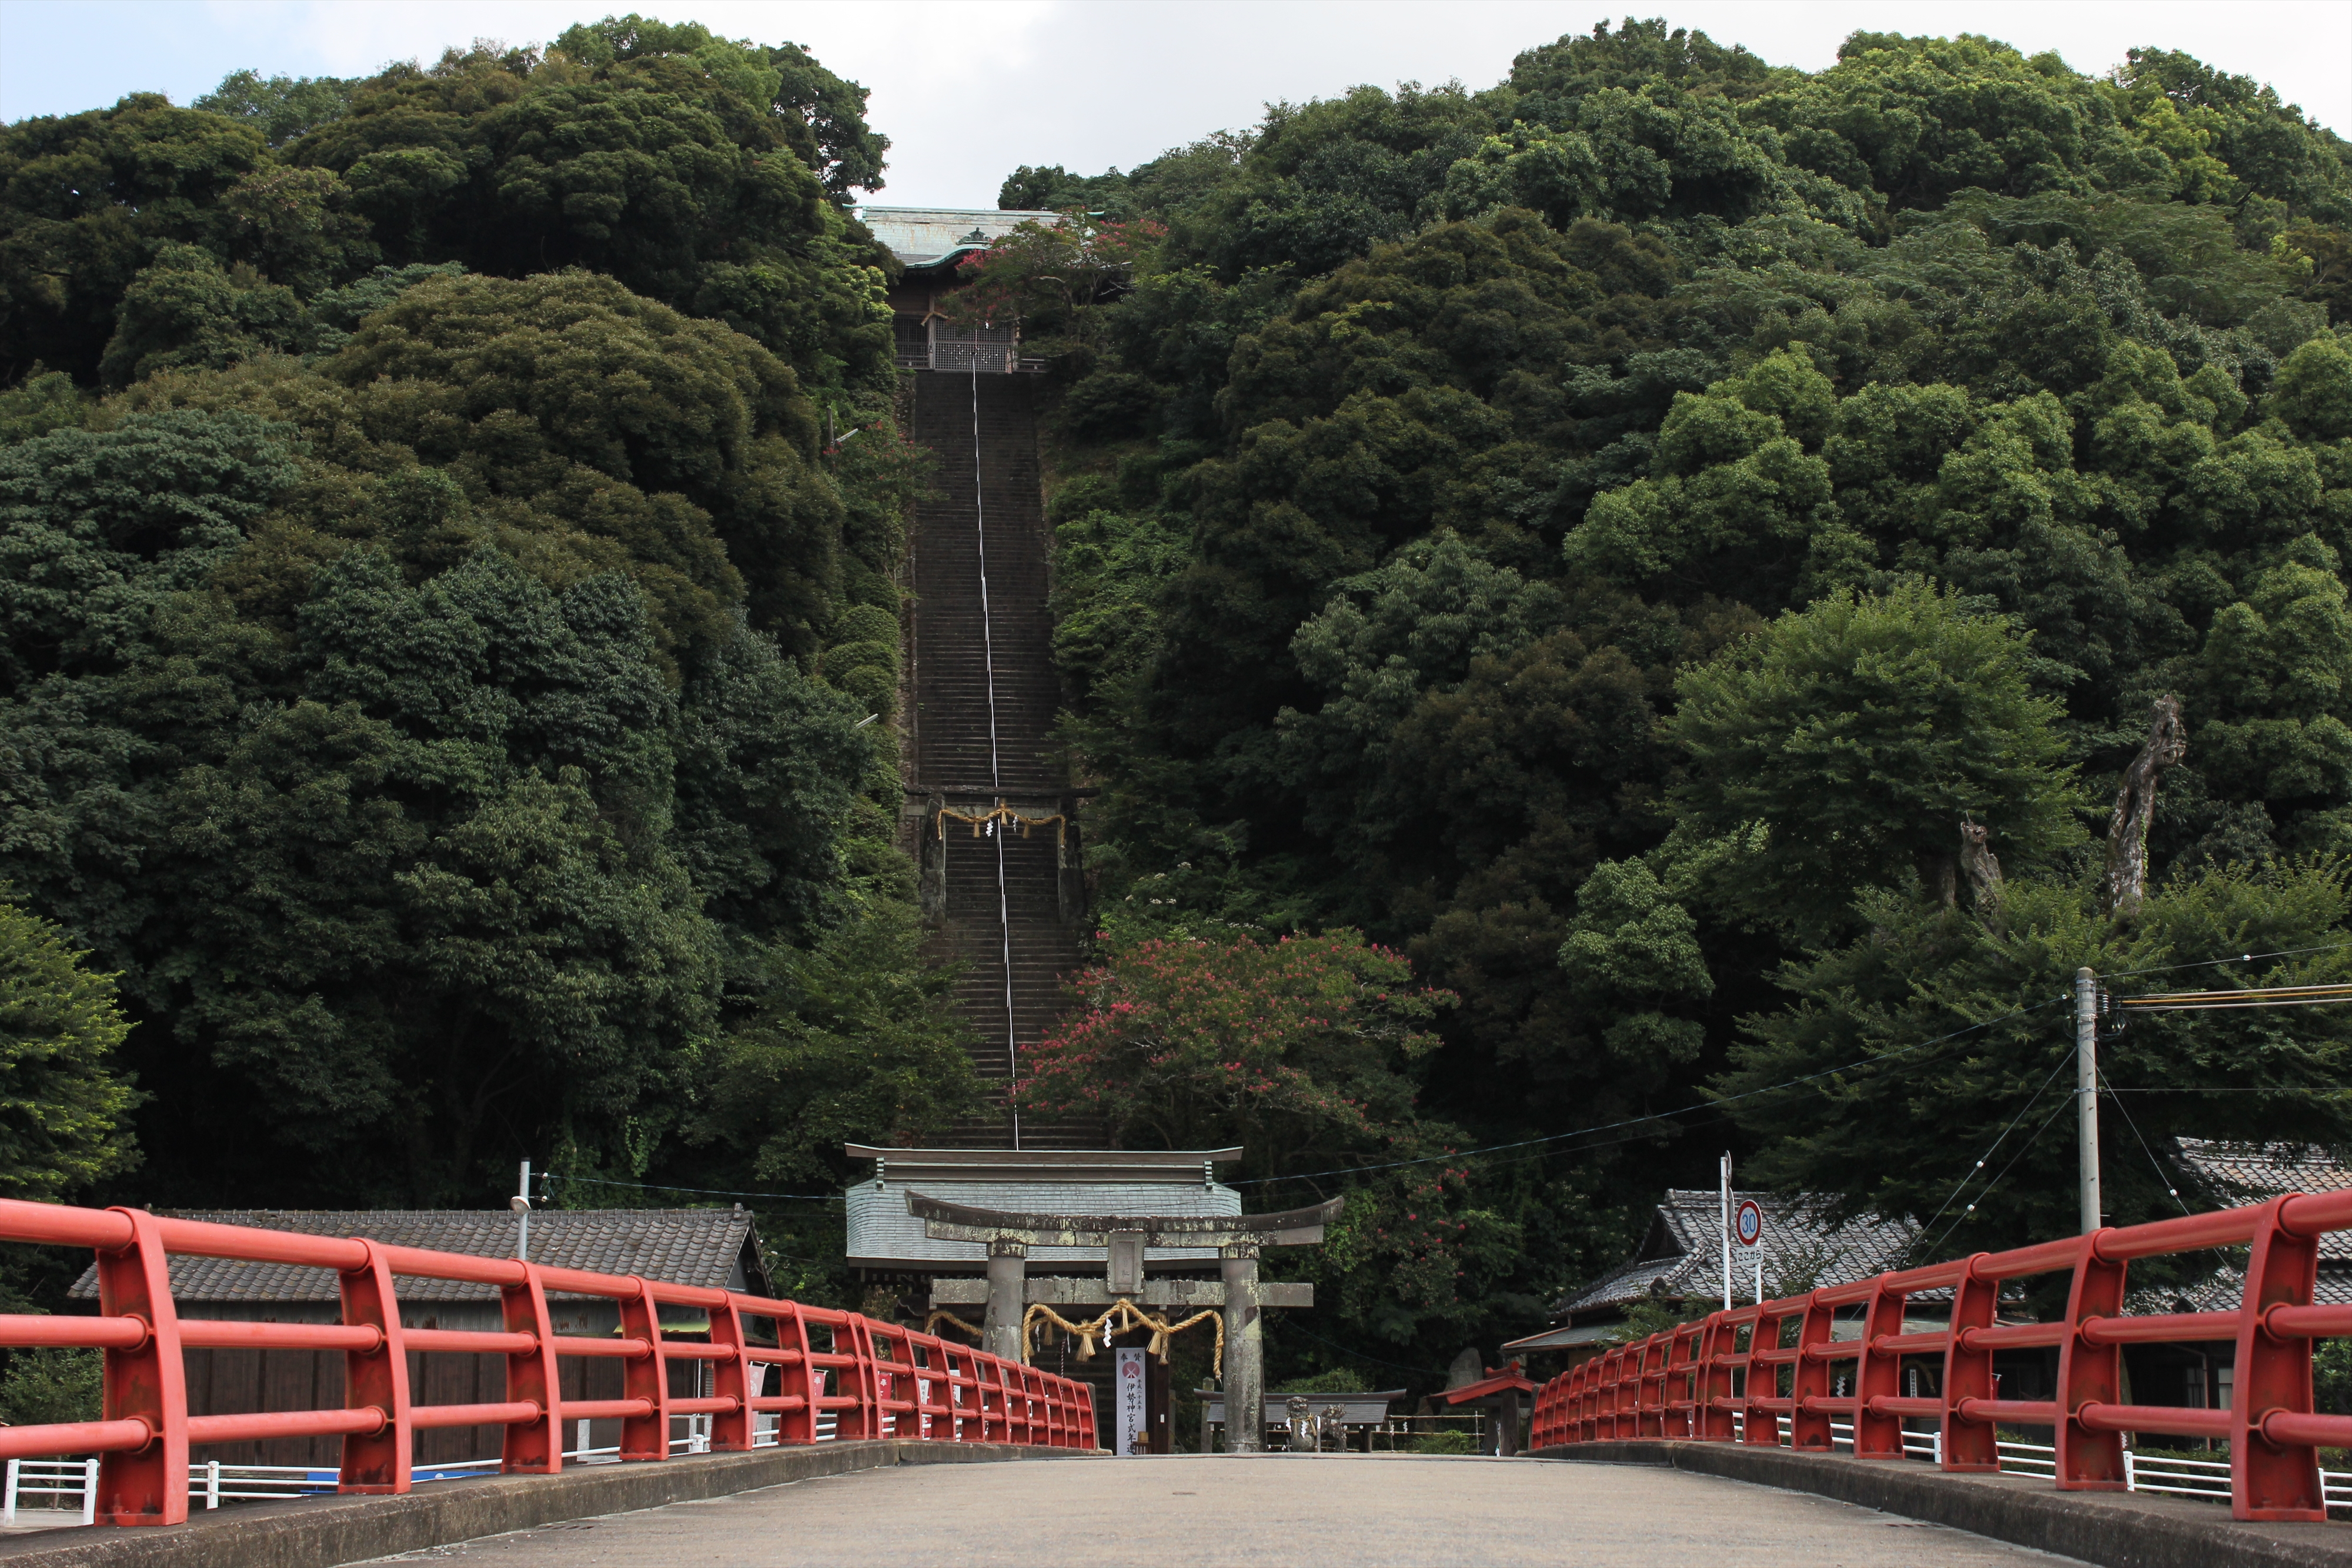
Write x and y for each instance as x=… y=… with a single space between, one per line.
x=237 y=1382
x=240 y=1382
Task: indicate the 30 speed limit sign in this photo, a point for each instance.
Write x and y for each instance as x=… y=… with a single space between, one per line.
x=1748 y=1224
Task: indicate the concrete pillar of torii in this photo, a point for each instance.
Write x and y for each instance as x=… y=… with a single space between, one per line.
x=1008 y=1268
x=1245 y=1368
x=1241 y=1295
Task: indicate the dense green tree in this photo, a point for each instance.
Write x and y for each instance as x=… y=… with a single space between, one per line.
x=707 y=174
x=1429 y=497
x=1842 y=748
x=851 y=1040
x=64 y=1108
x=432 y=786
x=1926 y=1095
x=86 y=200
x=280 y=108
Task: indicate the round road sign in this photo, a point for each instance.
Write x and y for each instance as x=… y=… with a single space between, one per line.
x=1748 y=1224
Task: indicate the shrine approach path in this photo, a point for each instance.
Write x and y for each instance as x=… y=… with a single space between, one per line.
x=1300 y=1511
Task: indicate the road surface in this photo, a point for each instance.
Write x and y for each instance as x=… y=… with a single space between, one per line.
x=1278 y=1511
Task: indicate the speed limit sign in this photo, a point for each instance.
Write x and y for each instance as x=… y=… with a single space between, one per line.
x=1748 y=1224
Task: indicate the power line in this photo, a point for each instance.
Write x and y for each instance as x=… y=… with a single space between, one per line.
x=1665 y=1115
x=2214 y=963
x=2030 y=1102
x=2166 y=1181
x=553 y=1177
x=2234 y=1089
x=1960 y=1218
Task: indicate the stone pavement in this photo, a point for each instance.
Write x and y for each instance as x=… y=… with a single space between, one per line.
x=1322 y=1511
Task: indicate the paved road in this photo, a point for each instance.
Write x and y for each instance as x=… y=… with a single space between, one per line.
x=1356 y=1512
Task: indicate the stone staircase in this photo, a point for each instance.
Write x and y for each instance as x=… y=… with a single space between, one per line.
x=1037 y=908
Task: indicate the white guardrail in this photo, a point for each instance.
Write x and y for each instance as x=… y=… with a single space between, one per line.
x=71 y=1484
x=2168 y=1473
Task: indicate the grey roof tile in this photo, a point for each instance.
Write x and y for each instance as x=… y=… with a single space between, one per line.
x=682 y=1246
x=923 y=237
x=1682 y=1255
x=2256 y=1173
x=883 y=1234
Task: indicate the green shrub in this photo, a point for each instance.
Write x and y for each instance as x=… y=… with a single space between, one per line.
x=45 y=1387
x=1333 y=1380
x=1445 y=1443
x=843 y=657
x=866 y=623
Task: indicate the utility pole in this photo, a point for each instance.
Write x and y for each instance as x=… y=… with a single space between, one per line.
x=1727 y=1230
x=2087 y=1090
x=520 y=1204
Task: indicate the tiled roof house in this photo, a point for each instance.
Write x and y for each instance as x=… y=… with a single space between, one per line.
x=712 y=1247
x=709 y=1247
x=1680 y=1261
x=2240 y=1174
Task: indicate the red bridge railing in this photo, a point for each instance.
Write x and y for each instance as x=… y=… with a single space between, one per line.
x=1691 y=1381
x=875 y=1379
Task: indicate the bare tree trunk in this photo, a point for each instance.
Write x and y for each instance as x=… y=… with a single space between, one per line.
x=2168 y=743
x=1981 y=866
x=1940 y=874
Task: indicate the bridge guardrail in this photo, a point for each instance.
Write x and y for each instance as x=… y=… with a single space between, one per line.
x=1692 y=1380
x=872 y=1379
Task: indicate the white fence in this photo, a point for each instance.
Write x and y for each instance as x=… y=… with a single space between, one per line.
x=69 y=1487
x=2207 y=1478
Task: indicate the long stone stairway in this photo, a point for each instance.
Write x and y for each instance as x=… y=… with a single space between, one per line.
x=1002 y=904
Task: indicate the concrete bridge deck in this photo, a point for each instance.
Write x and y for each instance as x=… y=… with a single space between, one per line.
x=1351 y=1512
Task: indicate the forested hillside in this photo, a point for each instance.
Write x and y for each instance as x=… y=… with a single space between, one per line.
x=1604 y=535
x=437 y=651
x=1604 y=616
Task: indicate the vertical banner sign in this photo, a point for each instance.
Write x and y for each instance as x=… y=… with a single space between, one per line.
x=1127 y=1394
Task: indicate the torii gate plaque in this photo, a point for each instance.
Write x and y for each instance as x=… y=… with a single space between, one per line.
x=1238 y=1239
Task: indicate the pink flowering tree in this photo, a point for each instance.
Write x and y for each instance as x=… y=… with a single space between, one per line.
x=1300 y=1049
x=1050 y=276
x=1305 y=1051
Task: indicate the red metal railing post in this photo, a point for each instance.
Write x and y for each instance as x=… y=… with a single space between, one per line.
x=1969 y=1446
x=1663 y=1416
x=375 y=1461
x=802 y=1377
x=531 y=1447
x=733 y=1378
x=1650 y=1372
x=2270 y=1479
x=1809 y=1429
x=147 y=1382
x=1713 y=1424
x=868 y=1419
x=1762 y=1425
x=2089 y=1373
x=645 y=1377
x=1878 y=1374
x=985 y=1381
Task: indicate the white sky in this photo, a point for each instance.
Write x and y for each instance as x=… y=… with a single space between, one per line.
x=967 y=90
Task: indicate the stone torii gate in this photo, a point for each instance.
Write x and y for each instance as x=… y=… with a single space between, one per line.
x=1240 y=1295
